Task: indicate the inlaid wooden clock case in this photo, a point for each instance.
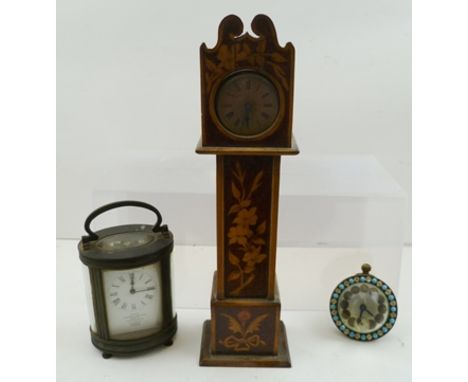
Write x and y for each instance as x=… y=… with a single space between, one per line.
x=245 y=327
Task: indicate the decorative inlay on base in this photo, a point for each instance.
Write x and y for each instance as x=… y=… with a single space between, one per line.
x=208 y=358
x=243 y=328
x=244 y=325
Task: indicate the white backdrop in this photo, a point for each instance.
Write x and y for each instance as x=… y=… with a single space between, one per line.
x=128 y=98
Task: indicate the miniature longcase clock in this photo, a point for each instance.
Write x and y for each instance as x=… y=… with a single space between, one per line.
x=247 y=98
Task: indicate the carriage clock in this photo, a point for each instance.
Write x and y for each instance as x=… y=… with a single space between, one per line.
x=128 y=284
x=247 y=88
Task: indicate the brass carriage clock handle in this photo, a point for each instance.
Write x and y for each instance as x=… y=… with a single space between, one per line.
x=125 y=203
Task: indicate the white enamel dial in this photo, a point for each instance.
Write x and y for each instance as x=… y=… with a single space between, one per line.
x=133 y=301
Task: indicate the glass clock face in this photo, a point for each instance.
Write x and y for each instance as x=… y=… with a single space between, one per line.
x=133 y=301
x=122 y=241
x=363 y=307
x=247 y=104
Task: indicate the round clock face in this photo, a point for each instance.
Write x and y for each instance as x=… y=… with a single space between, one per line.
x=247 y=104
x=133 y=301
x=363 y=307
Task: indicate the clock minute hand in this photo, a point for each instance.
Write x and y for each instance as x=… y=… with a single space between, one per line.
x=144 y=290
x=368 y=311
x=132 y=282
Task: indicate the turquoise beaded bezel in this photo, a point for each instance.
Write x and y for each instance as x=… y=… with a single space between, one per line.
x=352 y=333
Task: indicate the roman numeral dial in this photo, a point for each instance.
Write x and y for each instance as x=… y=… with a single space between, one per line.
x=247 y=104
x=132 y=290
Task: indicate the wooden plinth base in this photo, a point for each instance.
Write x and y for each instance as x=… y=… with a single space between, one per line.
x=282 y=359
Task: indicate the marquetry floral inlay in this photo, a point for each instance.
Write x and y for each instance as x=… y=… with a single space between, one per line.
x=229 y=56
x=246 y=234
x=243 y=329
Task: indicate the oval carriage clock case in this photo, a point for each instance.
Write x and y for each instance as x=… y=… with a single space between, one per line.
x=128 y=281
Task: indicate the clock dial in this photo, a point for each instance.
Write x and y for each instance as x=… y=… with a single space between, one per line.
x=133 y=301
x=247 y=104
x=363 y=308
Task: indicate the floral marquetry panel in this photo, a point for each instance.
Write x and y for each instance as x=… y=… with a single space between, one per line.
x=248 y=252
x=246 y=330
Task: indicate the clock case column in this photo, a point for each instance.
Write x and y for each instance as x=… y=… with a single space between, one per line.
x=245 y=327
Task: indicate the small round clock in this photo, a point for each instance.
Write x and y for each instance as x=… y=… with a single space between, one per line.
x=247 y=104
x=128 y=284
x=363 y=307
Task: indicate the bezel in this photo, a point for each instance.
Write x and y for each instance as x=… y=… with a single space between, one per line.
x=92 y=255
x=352 y=333
x=264 y=134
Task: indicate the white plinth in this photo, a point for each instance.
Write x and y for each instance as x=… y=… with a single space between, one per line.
x=319 y=352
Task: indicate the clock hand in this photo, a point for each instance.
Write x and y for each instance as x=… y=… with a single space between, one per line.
x=362 y=309
x=247 y=112
x=143 y=290
x=132 y=282
x=368 y=311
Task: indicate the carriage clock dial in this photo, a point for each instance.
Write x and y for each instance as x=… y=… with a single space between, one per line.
x=363 y=307
x=132 y=290
x=133 y=299
x=247 y=104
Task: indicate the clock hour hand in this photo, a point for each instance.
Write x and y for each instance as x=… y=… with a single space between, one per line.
x=362 y=309
x=247 y=112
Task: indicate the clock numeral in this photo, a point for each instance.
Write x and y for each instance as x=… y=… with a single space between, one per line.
x=265 y=95
x=133 y=306
x=265 y=115
x=267 y=105
x=237 y=122
x=121 y=278
x=148 y=296
x=247 y=84
x=141 y=276
x=116 y=301
x=229 y=115
x=142 y=302
x=148 y=281
x=115 y=286
x=237 y=86
x=124 y=305
x=226 y=105
x=113 y=294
